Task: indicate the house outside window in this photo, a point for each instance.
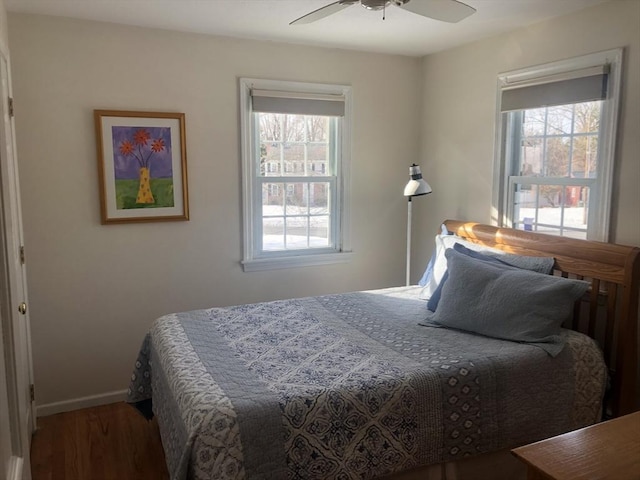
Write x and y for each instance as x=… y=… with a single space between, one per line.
x=295 y=153
x=557 y=126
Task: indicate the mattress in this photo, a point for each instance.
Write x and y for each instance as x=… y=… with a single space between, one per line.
x=349 y=386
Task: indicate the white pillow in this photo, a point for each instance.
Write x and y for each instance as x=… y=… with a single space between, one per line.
x=439 y=266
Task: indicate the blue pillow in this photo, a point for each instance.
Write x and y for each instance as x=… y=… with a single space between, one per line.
x=506 y=302
x=535 y=264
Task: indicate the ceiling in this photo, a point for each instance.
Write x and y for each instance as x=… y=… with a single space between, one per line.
x=355 y=28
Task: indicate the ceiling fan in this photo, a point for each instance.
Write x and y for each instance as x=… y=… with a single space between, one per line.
x=450 y=11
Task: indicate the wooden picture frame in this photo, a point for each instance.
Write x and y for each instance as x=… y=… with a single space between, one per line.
x=142 y=166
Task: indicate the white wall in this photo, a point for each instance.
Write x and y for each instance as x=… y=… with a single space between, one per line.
x=459 y=111
x=95 y=289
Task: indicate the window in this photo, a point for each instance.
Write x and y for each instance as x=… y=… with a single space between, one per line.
x=295 y=145
x=557 y=133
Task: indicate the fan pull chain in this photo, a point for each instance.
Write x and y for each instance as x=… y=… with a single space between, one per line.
x=384 y=12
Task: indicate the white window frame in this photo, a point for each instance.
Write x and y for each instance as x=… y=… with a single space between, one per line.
x=253 y=258
x=602 y=186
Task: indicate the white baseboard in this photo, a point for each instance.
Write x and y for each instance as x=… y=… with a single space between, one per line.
x=78 y=403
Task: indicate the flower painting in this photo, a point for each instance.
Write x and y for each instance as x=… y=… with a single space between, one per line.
x=142 y=166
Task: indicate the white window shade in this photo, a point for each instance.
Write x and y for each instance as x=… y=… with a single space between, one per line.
x=272 y=101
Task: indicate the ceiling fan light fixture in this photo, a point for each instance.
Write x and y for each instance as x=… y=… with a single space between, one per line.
x=374 y=4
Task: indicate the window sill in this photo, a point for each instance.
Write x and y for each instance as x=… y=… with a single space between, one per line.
x=257 y=265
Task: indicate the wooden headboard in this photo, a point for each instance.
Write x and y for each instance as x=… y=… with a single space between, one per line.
x=609 y=314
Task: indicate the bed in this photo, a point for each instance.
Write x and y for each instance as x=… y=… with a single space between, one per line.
x=369 y=385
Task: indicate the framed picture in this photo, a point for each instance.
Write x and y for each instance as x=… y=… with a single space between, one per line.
x=142 y=165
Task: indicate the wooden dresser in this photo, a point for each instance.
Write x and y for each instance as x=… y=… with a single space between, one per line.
x=608 y=450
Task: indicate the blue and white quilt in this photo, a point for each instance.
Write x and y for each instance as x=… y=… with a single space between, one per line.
x=349 y=386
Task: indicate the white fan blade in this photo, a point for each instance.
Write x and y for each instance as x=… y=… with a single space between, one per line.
x=450 y=11
x=321 y=13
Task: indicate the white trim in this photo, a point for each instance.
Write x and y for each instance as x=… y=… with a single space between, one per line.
x=581 y=66
x=296 y=87
x=257 y=265
x=247 y=165
x=344 y=179
x=82 y=402
x=609 y=123
x=256 y=92
x=561 y=181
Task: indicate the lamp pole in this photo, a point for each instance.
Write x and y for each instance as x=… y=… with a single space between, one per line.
x=409 y=203
x=416 y=187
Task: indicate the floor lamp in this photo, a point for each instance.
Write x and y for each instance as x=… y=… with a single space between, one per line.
x=416 y=187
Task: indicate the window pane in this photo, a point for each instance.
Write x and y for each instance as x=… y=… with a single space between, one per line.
x=559 y=120
x=557 y=157
x=297 y=232
x=293 y=154
x=532 y=156
x=587 y=117
x=297 y=197
x=270 y=159
x=585 y=156
x=319 y=231
x=318 y=159
x=534 y=122
x=318 y=129
x=319 y=198
x=294 y=128
x=272 y=199
x=270 y=128
x=576 y=210
x=273 y=233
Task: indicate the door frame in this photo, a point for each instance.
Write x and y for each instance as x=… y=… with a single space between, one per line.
x=15 y=325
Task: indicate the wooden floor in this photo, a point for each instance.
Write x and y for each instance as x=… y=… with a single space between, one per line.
x=101 y=443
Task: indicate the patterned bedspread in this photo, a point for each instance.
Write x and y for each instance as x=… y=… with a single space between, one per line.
x=349 y=386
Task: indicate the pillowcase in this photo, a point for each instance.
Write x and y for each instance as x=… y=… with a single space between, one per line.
x=506 y=302
x=438 y=264
x=432 y=304
x=535 y=264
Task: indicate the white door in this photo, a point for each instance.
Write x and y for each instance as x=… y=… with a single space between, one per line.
x=16 y=372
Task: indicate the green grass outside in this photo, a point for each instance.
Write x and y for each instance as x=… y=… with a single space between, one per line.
x=127 y=191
